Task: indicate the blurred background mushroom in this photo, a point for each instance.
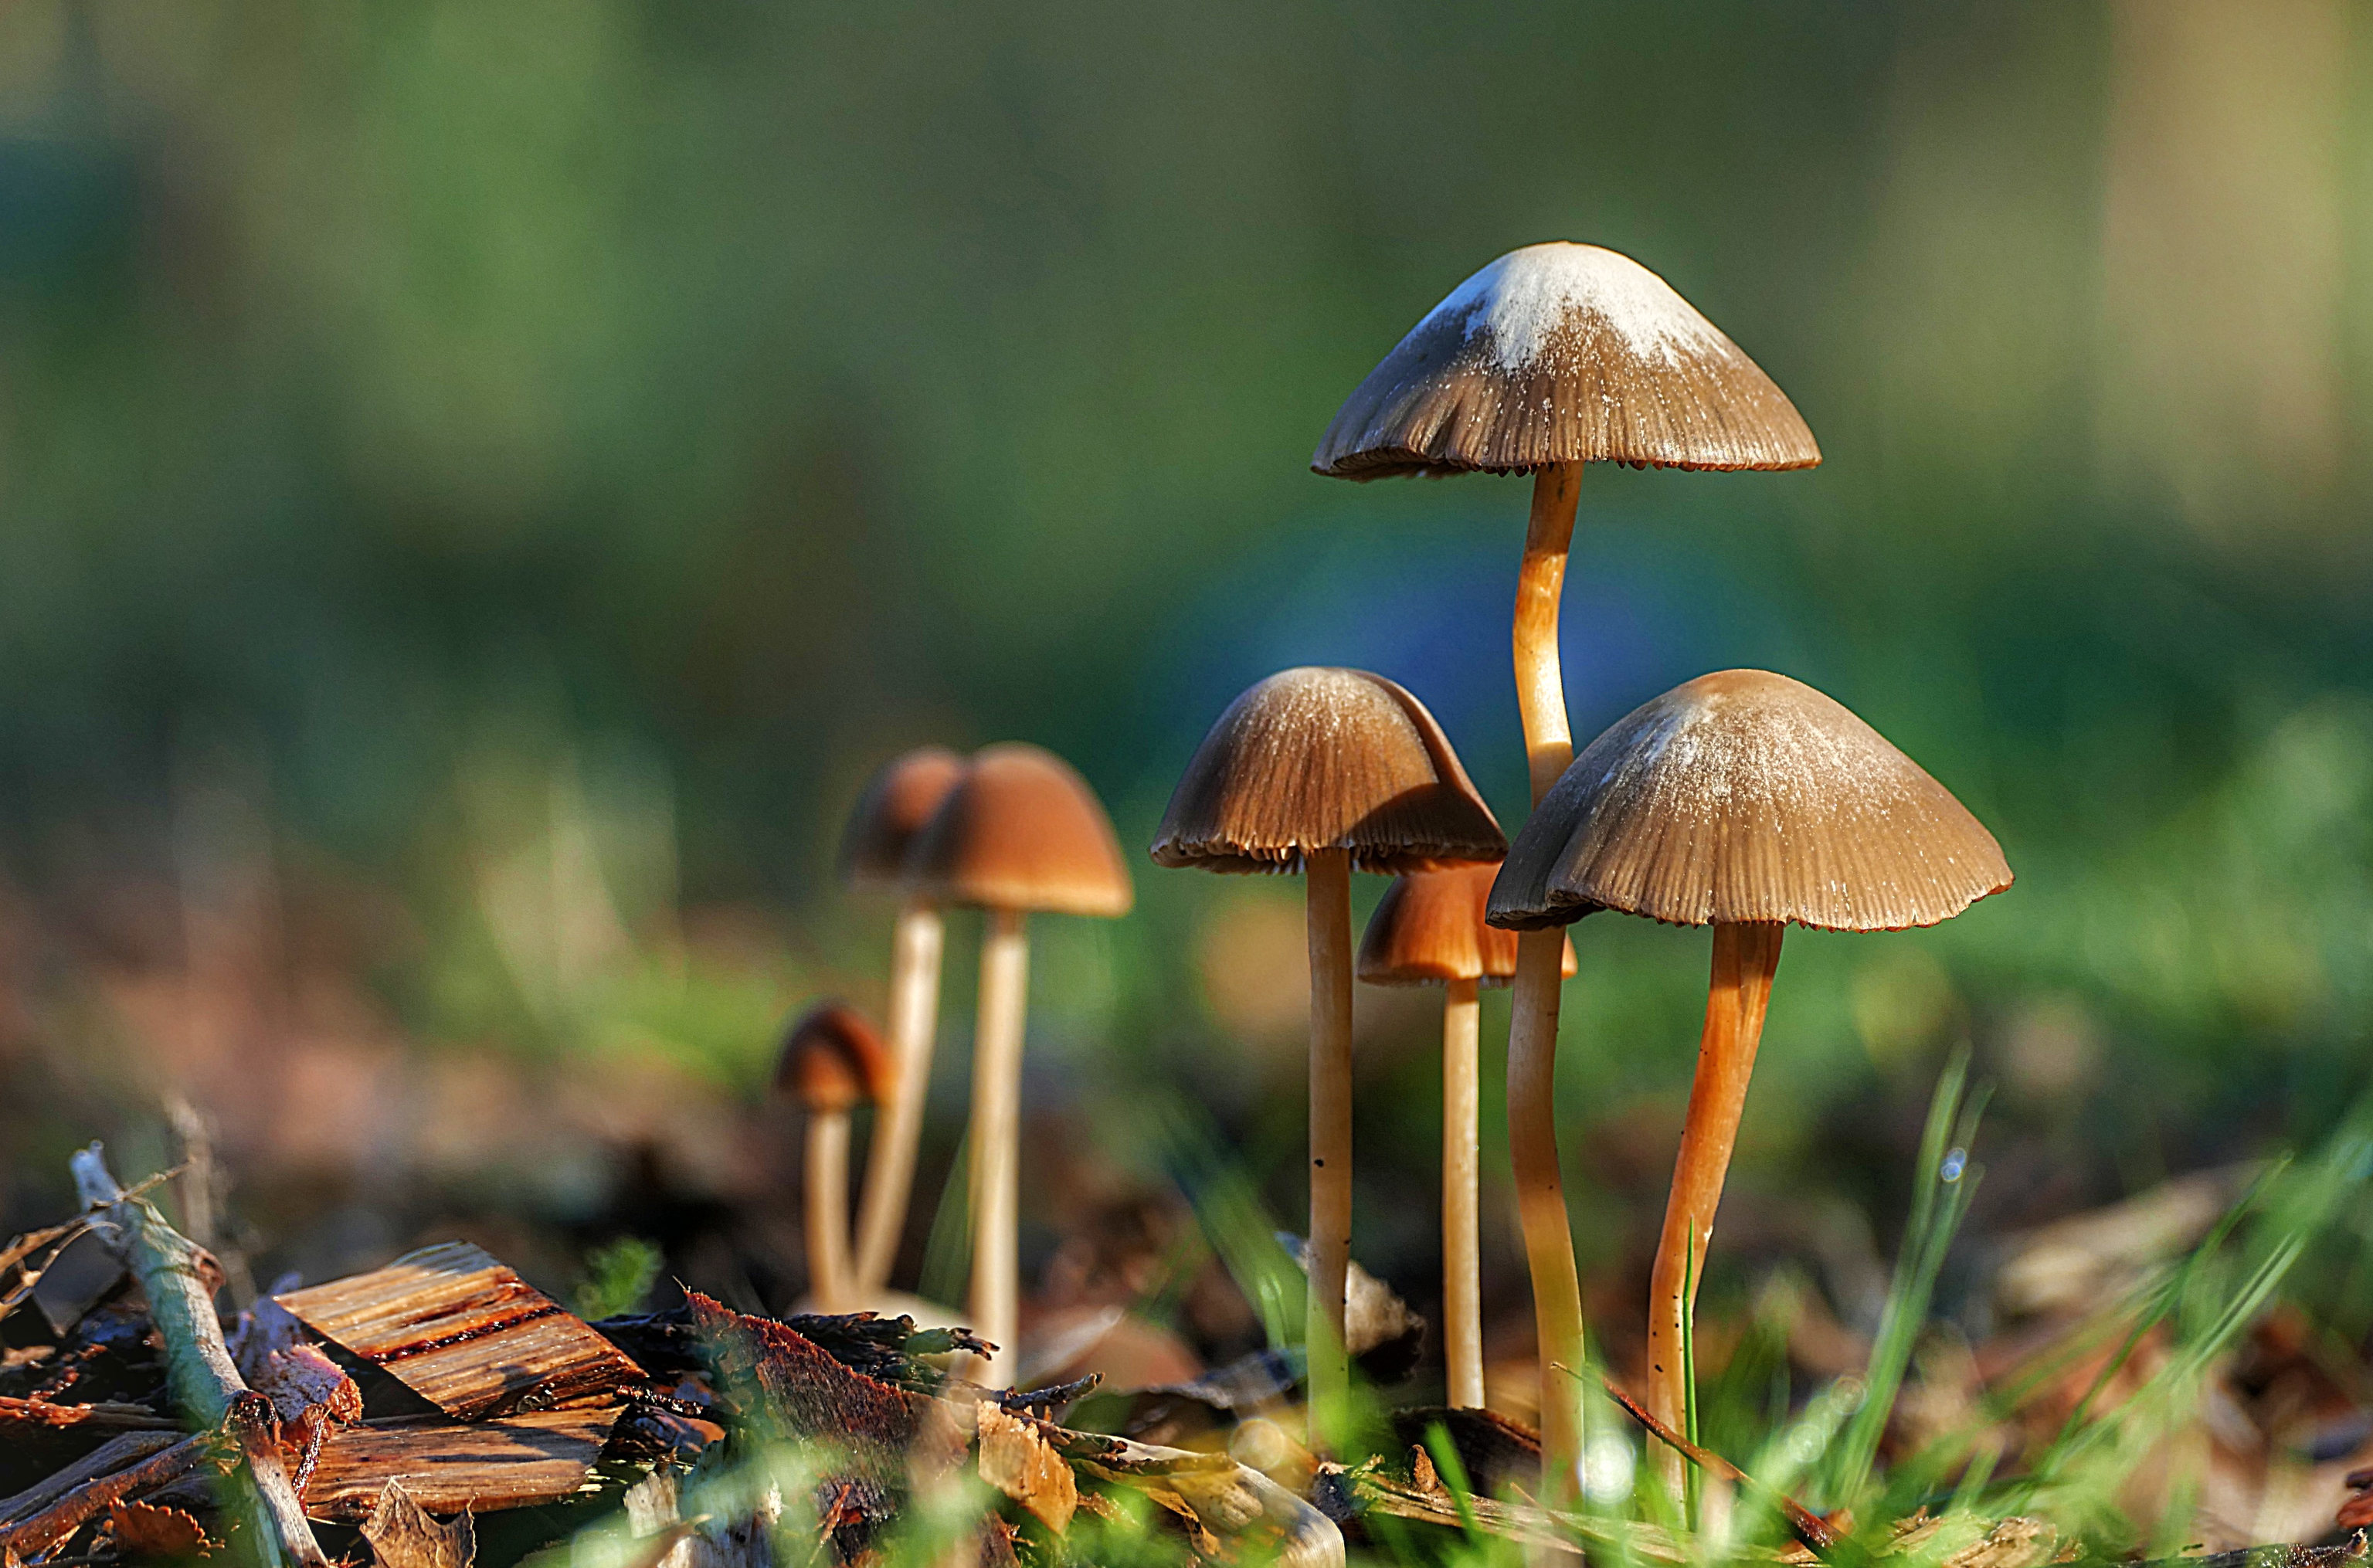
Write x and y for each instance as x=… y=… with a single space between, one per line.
x=1322 y=771
x=1020 y=833
x=1553 y=356
x=897 y=801
x=832 y=1061
x=1744 y=801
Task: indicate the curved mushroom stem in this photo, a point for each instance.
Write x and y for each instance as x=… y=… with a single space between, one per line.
x=1745 y=956
x=1532 y=1033
x=827 y=1210
x=997 y=1137
x=1462 y=1246
x=1327 y=886
x=890 y=1161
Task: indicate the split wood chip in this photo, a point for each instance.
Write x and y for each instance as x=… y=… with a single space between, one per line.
x=447 y=1466
x=147 y=1530
x=464 y=1332
x=402 y=1536
x=1017 y=1461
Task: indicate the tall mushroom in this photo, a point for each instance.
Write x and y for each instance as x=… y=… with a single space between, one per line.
x=1020 y=834
x=896 y=804
x=832 y=1061
x=1322 y=771
x=1428 y=930
x=1743 y=800
x=1553 y=356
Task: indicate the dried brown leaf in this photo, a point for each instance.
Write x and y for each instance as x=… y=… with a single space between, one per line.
x=147 y=1530
x=402 y=1536
x=1016 y=1460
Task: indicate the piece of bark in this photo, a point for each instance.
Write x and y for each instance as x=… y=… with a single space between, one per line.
x=465 y=1332
x=300 y=1380
x=448 y=1466
x=110 y=1456
x=120 y=1417
x=40 y=1531
x=773 y=1384
x=1020 y=1463
x=173 y=1274
x=402 y=1535
x=146 y=1530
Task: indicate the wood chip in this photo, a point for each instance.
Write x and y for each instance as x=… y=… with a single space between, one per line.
x=1017 y=1461
x=465 y=1332
x=402 y=1536
x=447 y=1466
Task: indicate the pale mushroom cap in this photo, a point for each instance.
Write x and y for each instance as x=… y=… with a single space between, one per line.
x=897 y=801
x=832 y=1058
x=1021 y=830
x=1318 y=758
x=1428 y=930
x=1564 y=352
x=1747 y=796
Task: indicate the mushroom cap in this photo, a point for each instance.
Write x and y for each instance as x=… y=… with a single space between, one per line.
x=1428 y=930
x=832 y=1058
x=898 y=799
x=1747 y=796
x=1021 y=830
x=1319 y=759
x=1564 y=352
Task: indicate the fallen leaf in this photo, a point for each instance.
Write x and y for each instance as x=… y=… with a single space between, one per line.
x=1017 y=1461
x=147 y=1530
x=401 y=1536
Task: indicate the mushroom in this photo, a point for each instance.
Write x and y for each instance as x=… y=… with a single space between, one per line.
x=896 y=804
x=1322 y=771
x=832 y=1059
x=1428 y=930
x=1553 y=356
x=1743 y=800
x=1020 y=833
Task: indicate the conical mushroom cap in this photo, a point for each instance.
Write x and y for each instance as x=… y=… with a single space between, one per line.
x=1564 y=352
x=1747 y=796
x=832 y=1058
x=1428 y=930
x=1021 y=830
x=1317 y=758
x=896 y=804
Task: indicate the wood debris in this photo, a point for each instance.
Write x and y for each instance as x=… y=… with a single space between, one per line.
x=402 y=1535
x=466 y=1333
x=445 y=1466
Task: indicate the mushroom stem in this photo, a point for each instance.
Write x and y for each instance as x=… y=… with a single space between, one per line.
x=827 y=1209
x=1462 y=1246
x=890 y=1161
x=1745 y=956
x=997 y=1133
x=1540 y=582
x=1327 y=879
x=1541 y=1205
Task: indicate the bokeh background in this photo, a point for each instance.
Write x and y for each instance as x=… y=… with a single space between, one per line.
x=483 y=482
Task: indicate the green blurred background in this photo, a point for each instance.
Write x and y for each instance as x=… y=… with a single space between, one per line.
x=483 y=482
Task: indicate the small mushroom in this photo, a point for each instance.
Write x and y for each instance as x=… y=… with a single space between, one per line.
x=1553 y=356
x=832 y=1061
x=1020 y=833
x=1743 y=800
x=896 y=804
x=1323 y=772
x=1428 y=930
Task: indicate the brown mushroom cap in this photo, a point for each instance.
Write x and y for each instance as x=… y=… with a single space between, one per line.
x=1564 y=352
x=832 y=1058
x=1428 y=930
x=1021 y=830
x=1317 y=758
x=1747 y=796
x=897 y=801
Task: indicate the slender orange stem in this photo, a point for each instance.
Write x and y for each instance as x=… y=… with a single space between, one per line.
x=1744 y=958
x=1532 y=1033
x=1327 y=884
x=1462 y=1244
x=890 y=1157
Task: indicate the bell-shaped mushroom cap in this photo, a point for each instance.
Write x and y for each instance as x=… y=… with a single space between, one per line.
x=1021 y=830
x=1428 y=930
x=1317 y=758
x=832 y=1058
x=896 y=804
x=1747 y=796
x=1564 y=352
